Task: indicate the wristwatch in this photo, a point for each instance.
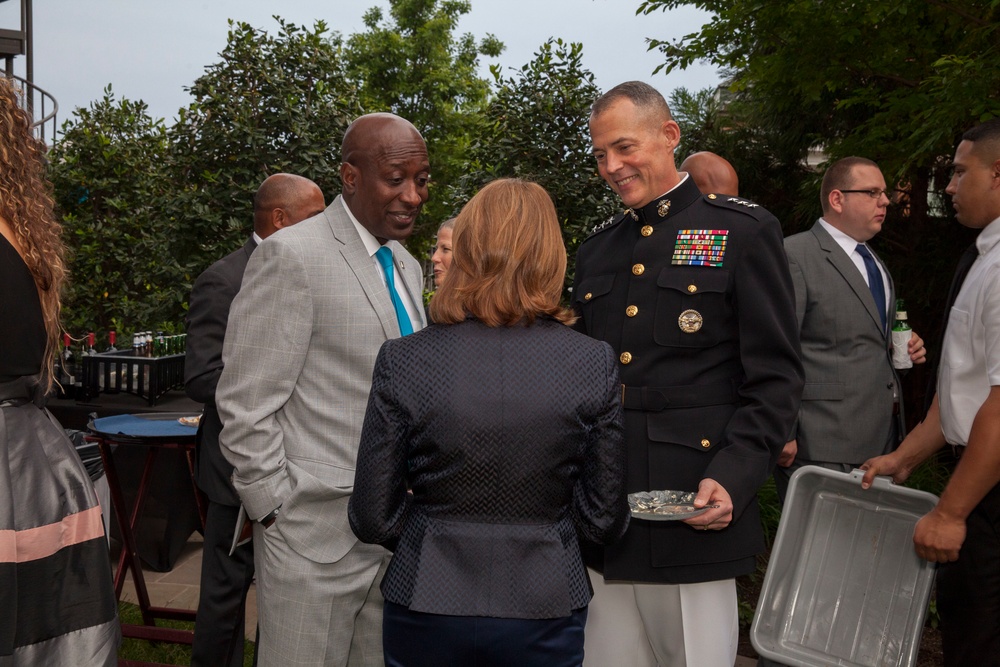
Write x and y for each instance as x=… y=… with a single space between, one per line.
x=269 y=518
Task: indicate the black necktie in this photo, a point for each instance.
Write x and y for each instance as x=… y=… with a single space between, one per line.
x=875 y=283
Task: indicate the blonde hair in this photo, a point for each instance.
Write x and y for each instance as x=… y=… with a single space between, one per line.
x=26 y=205
x=508 y=262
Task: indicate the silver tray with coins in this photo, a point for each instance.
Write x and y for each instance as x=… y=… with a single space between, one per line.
x=664 y=505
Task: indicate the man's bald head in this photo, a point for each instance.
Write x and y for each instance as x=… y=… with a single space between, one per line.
x=712 y=173
x=283 y=200
x=385 y=172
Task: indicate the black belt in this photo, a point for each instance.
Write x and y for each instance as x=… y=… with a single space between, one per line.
x=654 y=399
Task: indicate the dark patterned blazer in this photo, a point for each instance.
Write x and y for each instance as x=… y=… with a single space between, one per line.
x=511 y=441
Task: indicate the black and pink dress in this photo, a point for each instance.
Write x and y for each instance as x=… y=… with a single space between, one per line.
x=57 y=601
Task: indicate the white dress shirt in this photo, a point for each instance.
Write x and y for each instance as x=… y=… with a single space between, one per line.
x=372 y=245
x=850 y=246
x=970 y=359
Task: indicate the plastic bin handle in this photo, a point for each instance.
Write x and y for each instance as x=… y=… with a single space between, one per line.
x=880 y=481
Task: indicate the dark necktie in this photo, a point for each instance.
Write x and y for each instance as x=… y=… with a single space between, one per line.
x=384 y=256
x=875 y=283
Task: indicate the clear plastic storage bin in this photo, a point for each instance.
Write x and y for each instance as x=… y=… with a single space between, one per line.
x=844 y=586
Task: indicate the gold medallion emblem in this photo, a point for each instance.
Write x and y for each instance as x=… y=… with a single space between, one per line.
x=663 y=208
x=690 y=321
x=646 y=230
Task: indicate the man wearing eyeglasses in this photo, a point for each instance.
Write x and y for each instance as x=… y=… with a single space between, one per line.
x=845 y=304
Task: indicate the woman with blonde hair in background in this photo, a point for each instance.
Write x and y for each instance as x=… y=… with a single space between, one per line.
x=56 y=594
x=441 y=257
x=506 y=426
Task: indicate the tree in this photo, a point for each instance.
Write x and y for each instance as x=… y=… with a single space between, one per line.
x=414 y=66
x=273 y=103
x=536 y=128
x=895 y=81
x=107 y=172
x=769 y=168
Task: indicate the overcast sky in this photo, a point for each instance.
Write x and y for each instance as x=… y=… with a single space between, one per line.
x=152 y=49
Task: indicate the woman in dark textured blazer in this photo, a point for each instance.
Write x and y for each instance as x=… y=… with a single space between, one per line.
x=506 y=425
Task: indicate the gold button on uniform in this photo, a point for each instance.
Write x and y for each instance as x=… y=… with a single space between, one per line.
x=692 y=288
x=588 y=296
x=626 y=358
x=706 y=443
x=646 y=230
x=711 y=196
x=632 y=311
x=638 y=269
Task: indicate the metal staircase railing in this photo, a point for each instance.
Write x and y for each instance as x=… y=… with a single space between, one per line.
x=41 y=106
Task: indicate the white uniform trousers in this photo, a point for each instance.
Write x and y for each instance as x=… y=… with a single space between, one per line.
x=661 y=625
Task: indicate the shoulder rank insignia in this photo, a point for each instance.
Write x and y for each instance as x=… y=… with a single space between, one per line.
x=742 y=202
x=700 y=247
x=610 y=222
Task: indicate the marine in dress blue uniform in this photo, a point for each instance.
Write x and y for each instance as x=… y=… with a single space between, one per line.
x=693 y=293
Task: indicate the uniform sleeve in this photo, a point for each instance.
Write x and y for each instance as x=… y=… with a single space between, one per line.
x=764 y=299
x=379 y=505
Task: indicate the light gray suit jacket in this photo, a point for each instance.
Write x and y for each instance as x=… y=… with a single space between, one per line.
x=303 y=335
x=846 y=414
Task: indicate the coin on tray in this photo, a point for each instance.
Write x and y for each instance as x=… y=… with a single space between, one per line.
x=664 y=505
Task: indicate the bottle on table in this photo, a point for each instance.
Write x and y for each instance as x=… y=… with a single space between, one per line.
x=69 y=367
x=901 y=334
x=111 y=370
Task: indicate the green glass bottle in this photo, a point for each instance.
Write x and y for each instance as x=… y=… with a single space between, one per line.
x=901 y=334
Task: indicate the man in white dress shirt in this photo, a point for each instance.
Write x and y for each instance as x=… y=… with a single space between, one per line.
x=963 y=531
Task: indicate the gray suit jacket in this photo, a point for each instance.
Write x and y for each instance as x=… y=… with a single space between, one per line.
x=302 y=339
x=846 y=414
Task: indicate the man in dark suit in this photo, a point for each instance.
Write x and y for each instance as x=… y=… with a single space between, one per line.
x=281 y=200
x=693 y=293
x=851 y=404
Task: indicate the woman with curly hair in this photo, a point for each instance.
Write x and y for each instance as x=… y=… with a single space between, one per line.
x=56 y=593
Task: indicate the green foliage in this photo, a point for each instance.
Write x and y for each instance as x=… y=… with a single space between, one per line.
x=108 y=177
x=536 y=128
x=895 y=81
x=273 y=103
x=770 y=169
x=416 y=67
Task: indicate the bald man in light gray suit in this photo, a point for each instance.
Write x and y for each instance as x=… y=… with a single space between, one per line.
x=851 y=405
x=315 y=306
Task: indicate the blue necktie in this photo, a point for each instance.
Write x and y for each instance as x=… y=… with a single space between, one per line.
x=875 y=283
x=384 y=256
